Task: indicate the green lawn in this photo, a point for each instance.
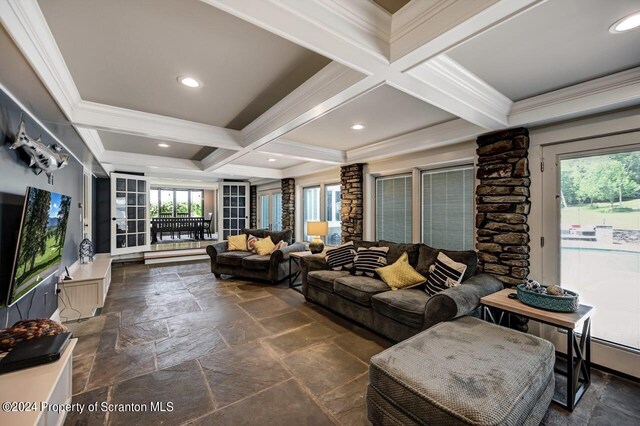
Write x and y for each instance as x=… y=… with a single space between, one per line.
x=42 y=263
x=622 y=217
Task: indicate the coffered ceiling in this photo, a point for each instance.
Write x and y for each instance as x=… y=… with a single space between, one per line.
x=286 y=79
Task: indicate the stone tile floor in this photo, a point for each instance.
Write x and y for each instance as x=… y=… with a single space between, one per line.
x=230 y=351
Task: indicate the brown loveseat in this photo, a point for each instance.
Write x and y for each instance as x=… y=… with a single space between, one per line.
x=246 y=264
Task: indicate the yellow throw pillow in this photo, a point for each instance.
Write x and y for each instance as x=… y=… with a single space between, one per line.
x=237 y=242
x=264 y=246
x=400 y=274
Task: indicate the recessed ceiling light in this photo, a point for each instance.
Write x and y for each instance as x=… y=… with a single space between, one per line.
x=358 y=126
x=627 y=23
x=163 y=145
x=189 y=81
x=271 y=160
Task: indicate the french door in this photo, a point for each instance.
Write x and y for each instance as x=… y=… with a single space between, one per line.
x=129 y=214
x=233 y=197
x=591 y=229
x=270 y=210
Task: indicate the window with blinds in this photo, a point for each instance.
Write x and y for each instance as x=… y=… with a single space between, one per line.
x=393 y=208
x=447 y=208
x=310 y=208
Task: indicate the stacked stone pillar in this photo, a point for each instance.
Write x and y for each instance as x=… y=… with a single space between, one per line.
x=352 y=199
x=502 y=200
x=253 y=206
x=289 y=204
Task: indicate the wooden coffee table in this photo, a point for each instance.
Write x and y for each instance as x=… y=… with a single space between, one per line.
x=578 y=365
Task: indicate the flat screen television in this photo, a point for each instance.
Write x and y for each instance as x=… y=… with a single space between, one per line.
x=40 y=242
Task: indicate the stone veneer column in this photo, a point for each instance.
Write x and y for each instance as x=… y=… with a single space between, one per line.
x=502 y=200
x=289 y=205
x=351 y=195
x=253 y=206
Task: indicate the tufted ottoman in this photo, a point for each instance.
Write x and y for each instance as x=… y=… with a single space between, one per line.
x=465 y=371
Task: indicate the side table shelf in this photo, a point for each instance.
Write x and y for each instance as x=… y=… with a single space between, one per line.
x=578 y=356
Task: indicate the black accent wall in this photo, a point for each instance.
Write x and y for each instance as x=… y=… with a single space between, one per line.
x=15 y=177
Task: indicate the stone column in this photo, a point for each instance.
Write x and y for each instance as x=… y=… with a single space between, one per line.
x=289 y=205
x=253 y=206
x=351 y=187
x=502 y=200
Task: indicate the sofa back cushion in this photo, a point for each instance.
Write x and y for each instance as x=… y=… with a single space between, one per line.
x=427 y=257
x=364 y=244
x=276 y=236
x=396 y=250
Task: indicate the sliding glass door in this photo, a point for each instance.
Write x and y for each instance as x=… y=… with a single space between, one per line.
x=592 y=225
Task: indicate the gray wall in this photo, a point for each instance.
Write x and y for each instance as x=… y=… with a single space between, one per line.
x=15 y=177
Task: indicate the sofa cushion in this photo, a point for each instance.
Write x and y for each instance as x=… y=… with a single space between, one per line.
x=427 y=257
x=405 y=306
x=365 y=244
x=359 y=289
x=396 y=250
x=256 y=261
x=324 y=279
x=232 y=258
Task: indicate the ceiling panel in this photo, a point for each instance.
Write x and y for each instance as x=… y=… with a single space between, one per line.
x=130 y=54
x=149 y=146
x=261 y=159
x=385 y=111
x=557 y=44
x=391 y=6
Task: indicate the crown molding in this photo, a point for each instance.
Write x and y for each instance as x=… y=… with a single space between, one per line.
x=122 y=120
x=451 y=87
x=606 y=93
x=315 y=25
x=26 y=24
x=92 y=140
x=300 y=151
x=122 y=158
x=421 y=21
x=447 y=133
x=423 y=29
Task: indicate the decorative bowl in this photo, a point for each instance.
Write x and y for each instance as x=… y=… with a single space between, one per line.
x=567 y=303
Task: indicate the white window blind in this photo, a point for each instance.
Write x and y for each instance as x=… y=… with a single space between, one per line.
x=393 y=208
x=447 y=208
x=311 y=208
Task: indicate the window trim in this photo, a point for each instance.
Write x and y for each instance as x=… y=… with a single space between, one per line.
x=323 y=200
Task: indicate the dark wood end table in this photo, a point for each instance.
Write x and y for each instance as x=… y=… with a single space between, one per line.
x=295 y=258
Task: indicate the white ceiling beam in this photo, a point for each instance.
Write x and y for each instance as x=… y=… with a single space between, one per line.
x=614 y=91
x=449 y=86
x=448 y=133
x=358 y=42
x=122 y=120
x=305 y=169
x=92 y=140
x=249 y=171
x=424 y=29
x=300 y=151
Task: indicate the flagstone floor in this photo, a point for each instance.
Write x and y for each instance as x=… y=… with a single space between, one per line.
x=227 y=351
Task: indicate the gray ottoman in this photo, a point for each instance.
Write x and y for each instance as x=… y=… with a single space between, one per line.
x=465 y=371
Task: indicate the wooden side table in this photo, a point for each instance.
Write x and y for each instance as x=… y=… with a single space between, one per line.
x=578 y=367
x=295 y=259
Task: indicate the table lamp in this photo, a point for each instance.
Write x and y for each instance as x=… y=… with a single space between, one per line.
x=317 y=230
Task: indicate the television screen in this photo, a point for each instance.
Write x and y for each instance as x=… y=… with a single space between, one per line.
x=41 y=240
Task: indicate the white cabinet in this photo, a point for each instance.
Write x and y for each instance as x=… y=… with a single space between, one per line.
x=87 y=290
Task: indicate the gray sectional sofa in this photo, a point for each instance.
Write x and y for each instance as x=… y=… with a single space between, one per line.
x=245 y=264
x=399 y=314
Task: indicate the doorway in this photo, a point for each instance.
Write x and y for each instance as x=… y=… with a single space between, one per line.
x=591 y=226
x=270 y=210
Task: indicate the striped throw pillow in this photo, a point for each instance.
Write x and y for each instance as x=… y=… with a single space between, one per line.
x=341 y=258
x=369 y=259
x=443 y=274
